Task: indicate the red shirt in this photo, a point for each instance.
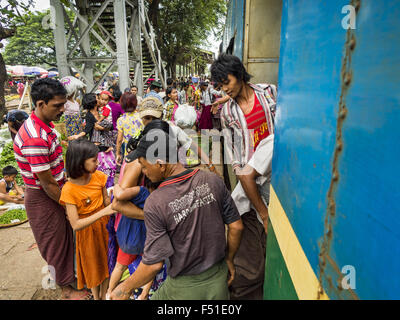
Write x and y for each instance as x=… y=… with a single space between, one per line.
x=257 y=121
x=106 y=111
x=37 y=149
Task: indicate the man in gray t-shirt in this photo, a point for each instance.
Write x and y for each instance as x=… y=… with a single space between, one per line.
x=185 y=220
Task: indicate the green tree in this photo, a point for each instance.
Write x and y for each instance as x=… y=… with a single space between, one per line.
x=182 y=26
x=9 y=11
x=32 y=44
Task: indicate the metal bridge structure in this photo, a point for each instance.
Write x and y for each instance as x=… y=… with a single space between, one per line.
x=125 y=33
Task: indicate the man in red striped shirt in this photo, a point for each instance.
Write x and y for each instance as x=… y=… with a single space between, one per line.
x=248 y=116
x=39 y=157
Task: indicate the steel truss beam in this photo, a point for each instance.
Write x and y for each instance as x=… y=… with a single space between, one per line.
x=117 y=40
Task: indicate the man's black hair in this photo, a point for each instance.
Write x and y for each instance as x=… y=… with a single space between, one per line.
x=162 y=141
x=117 y=95
x=169 y=81
x=9 y=171
x=228 y=64
x=155 y=124
x=46 y=89
x=21 y=116
x=89 y=101
x=164 y=146
x=77 y=153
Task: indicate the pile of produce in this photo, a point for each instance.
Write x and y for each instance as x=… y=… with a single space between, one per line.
x=12 y=97
x=11 y=216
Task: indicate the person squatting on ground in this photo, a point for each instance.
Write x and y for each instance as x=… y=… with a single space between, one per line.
x=9 y=189
x=247 y=123
x=88 y=207
x=199 y=207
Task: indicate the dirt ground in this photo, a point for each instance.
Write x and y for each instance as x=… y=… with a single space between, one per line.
x=21 y=266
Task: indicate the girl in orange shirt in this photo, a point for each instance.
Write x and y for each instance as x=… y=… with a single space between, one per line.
x=88 y=208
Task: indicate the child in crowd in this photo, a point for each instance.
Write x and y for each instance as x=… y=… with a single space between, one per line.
x=9 y=190
x=137 y=195
x=104 y=137
x=104 y=108
x=88 y=208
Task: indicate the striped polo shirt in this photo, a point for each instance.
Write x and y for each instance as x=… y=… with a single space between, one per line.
x=37 y=149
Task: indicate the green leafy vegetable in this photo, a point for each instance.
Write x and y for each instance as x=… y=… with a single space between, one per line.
x=13 y=214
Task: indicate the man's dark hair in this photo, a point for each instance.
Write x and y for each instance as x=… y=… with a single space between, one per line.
x=117 y=95
x=169 y=81
x=114 y=87
x=46 y=89
x=228 y=64
x=162 y=141
x=9 y=171
x=164 y=146
x=77 y=153
x=21 y=116
x=89 y=101
x=155 y=124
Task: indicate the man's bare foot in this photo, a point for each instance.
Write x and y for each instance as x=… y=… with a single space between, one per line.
x=68 y=293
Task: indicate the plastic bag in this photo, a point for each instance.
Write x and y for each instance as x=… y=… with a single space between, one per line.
x=185 y=116
x=72 y=84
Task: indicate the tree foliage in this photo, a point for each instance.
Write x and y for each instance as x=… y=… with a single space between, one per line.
x=183 y=25
x=13 y=9
x=33 y=43
x=9 y=11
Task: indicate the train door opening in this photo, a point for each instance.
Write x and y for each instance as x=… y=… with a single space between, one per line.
x=262 y=35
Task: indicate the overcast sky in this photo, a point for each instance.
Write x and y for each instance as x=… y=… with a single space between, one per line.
x=41 y=5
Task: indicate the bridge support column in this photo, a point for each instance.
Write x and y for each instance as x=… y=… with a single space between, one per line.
x=57 y=17
x=122 y=43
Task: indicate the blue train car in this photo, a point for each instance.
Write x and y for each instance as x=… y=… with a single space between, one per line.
x=335 y=193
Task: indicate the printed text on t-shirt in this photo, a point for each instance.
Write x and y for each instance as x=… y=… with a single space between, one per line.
x=197 y=198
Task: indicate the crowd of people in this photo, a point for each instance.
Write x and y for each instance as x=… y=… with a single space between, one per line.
x=165 y=229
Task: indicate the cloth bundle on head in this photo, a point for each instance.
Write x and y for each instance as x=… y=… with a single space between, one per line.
x=72 y=84
x=151 y=106
x=185 y=116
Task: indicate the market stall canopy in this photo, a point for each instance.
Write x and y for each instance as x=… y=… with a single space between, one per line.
x=39 y=71
x=51 y=74
x=23 y=71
